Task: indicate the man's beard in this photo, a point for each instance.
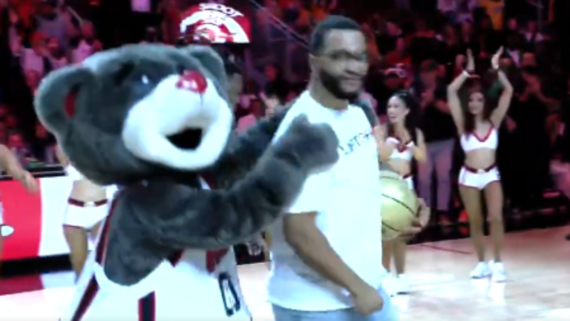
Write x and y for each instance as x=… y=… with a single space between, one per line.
x=332 y=84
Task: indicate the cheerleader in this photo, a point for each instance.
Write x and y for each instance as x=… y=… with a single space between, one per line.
x=477 y=122
x=400 y=143
x=87 y=208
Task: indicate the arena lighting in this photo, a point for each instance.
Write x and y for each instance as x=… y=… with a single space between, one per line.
x=215 y=23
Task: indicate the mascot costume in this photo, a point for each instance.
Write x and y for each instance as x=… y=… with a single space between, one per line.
x=155 y=120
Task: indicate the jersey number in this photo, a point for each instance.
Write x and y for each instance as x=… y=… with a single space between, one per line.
x=229 y=294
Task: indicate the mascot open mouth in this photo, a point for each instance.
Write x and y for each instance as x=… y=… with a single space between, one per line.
x=178 y=128
x=187 y=139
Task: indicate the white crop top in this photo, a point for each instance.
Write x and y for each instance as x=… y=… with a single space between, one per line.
x=401 y=151
x=471 y=141
x=73 y=173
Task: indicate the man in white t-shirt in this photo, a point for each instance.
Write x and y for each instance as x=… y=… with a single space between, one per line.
x=326 y=251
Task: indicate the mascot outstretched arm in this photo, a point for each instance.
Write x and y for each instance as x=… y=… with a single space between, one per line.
x=243 y=209
x=155 y=120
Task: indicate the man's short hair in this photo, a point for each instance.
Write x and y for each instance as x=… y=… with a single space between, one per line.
x=322 y=29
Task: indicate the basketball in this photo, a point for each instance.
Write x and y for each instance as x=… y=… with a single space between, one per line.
x=399 y=205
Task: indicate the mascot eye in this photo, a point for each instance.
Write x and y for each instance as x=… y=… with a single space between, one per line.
x=124 y=72
x=145 y=80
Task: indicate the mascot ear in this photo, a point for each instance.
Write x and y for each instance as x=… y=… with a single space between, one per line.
x=210 y=60
x=55 y=102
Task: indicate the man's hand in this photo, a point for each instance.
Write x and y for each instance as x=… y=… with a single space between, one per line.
x=28 y=181
x=367 y=301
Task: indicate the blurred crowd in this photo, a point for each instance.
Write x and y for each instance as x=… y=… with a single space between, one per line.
x=36 y=37
x=412 y=45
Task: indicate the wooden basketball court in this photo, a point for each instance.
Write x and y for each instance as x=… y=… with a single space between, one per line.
x=538 y=288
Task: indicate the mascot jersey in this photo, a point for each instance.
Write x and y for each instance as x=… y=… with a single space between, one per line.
x=204 y=283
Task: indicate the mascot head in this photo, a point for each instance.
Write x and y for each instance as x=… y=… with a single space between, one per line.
x=140 y=110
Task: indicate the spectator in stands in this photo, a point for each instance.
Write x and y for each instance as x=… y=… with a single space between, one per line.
x=36 y=59
x=151 y=36
x=44 y=148
x=11 y=122
x=423 y=45
x=4 y=110
x=400 y=54
x=531 y=35
x=513 y=47
x=559 y=165
x=530 y=114
x=18 y=147
x=512 y=25
x=468 y=37
x=71 y=18
x=493 y=9
x=56 y=54
x=170 y=25
x=456 y=68
x=374 y=57
x=440 y=133
x=302 y=23
x=528 y=59
x=33 y=80
x=275 y=81
x=449 y=46
x=321 y=9
x=85 y=44
x=391 y=81
x=387 y=34
x=255 y=112
x=51 y=23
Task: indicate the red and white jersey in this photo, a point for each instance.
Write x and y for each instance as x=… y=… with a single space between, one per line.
x=194 y=284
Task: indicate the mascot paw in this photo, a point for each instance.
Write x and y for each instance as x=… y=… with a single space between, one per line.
x=313 y=145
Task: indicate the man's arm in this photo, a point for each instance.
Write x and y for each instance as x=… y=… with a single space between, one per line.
x=302 y=234
x=312 y=247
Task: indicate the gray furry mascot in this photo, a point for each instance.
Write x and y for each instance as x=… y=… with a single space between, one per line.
x=156 y=121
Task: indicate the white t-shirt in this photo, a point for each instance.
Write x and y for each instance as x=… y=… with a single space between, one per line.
x=346 y=197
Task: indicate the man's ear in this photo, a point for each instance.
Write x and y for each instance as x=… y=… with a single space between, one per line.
x=313 y=62
x=55 y=102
